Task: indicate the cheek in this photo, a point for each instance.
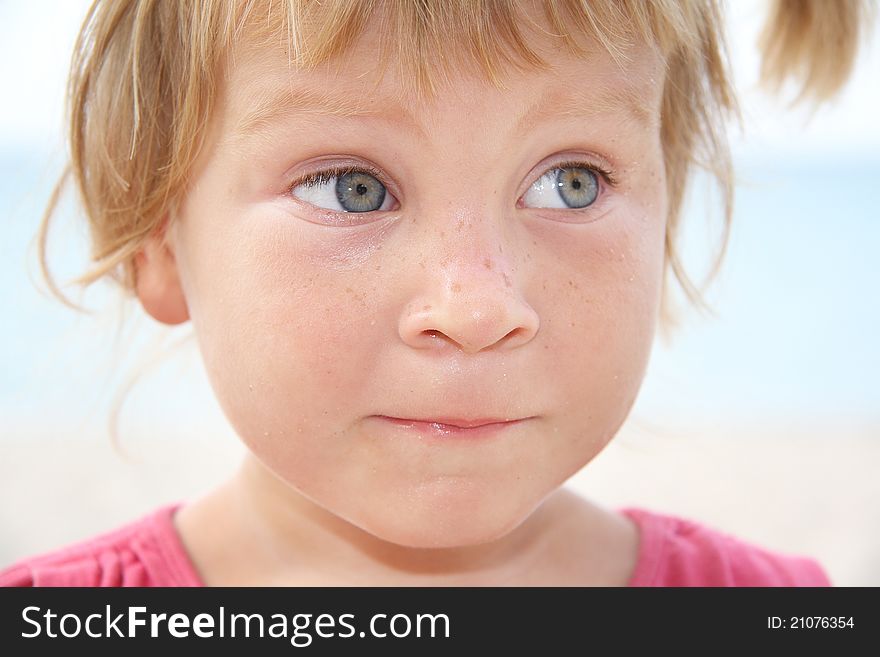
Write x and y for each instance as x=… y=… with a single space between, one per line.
x=601 y=293
x=286 y=340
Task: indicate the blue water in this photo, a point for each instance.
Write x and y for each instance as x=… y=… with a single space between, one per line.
x=798 y=303
x=796 y=333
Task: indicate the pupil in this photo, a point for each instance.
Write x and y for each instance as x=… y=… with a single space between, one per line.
x=361 y=189
x=576 y=183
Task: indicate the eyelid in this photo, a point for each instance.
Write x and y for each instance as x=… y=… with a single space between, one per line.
x=599 y=166
x=334 y=169
x=579 y=162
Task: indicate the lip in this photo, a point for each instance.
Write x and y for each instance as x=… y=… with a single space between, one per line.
x=453 y=427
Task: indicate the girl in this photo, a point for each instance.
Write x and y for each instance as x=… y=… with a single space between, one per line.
x=424 y=249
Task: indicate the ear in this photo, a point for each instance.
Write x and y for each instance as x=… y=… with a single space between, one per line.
x=157 y=282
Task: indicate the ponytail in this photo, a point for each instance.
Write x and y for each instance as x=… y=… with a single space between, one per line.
x=814 y=42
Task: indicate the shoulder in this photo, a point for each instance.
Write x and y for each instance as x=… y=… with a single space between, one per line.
x=674 y=551
x=146 y=552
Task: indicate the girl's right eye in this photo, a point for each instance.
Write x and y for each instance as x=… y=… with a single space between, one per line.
x=344 y=190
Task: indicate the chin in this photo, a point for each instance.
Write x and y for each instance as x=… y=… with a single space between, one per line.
x=430 y=523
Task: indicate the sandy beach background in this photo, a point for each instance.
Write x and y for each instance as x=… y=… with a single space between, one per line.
x=806 y=490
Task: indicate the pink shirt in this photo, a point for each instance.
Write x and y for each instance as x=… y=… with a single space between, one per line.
x=672 y=552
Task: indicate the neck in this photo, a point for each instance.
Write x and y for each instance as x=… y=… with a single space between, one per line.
x=310 y=544
x=291 y=541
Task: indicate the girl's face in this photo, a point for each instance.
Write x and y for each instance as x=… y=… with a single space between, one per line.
x=501 y=257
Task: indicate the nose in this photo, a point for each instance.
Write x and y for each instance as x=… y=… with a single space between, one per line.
x=471 y=299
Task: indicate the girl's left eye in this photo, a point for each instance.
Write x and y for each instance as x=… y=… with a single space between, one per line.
x=567 y=187
x=344 y=190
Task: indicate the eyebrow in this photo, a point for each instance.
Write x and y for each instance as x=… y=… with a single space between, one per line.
x=589 y=102
x=300 y=103
x=272 y=107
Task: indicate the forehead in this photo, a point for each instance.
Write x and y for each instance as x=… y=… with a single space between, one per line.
x=365 y=78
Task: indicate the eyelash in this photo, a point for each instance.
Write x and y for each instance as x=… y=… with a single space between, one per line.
x=607 y=175
x=326 y=175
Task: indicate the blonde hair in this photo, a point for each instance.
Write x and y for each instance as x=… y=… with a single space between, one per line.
x=144 y=72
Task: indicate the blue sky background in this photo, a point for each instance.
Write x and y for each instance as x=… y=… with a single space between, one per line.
x=798 y=313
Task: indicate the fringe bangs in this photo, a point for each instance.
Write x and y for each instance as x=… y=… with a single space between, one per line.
x=433 y=40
